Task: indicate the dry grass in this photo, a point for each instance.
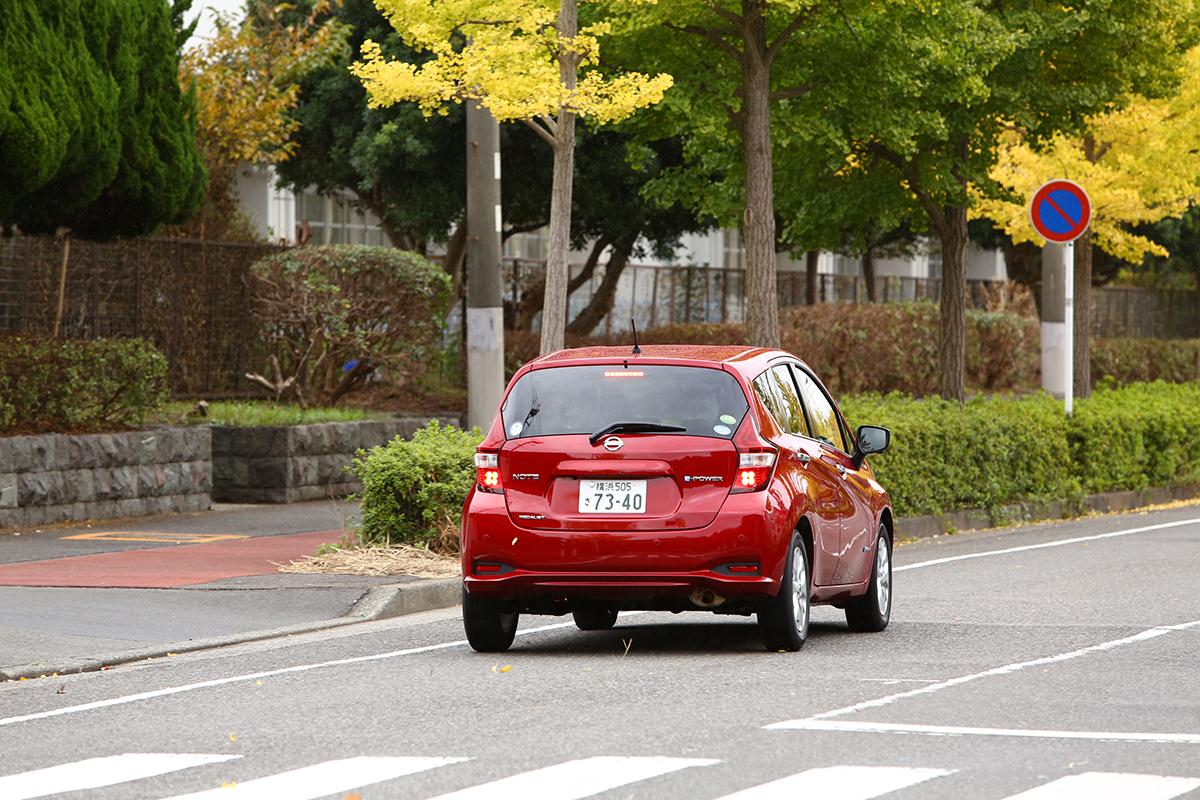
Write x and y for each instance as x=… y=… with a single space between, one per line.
x=399 y=559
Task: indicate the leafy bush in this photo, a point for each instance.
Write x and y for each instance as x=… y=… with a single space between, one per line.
x=994 y=451
x=1122 y=361
x=874 y=347
x=983 y=454
x=413 y=490
x=334 y=315
x=1142 y=435
x=78 y=385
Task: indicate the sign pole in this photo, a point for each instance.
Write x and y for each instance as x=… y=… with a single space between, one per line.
x=1068 y=360
x=1060 y=212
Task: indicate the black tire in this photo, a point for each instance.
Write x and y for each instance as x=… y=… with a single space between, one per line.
x=489 y=630
x=784 y=622
x=872 y=612
x=595 y=619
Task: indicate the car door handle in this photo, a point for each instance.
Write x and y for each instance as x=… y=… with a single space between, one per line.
x=803 y=458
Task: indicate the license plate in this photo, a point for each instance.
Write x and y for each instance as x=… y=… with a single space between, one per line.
x=612 y=497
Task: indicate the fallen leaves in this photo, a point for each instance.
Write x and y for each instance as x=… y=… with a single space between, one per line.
x=391 y=560
x=497 y=668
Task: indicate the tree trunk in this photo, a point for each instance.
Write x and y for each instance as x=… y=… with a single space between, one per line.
x=1083 y=315
x=952 y=230
x=868 y=270
x=810 y=278
x=602 y=301
x=62 y=287
x=758 y=219
x=456 y=254
x=554 y=305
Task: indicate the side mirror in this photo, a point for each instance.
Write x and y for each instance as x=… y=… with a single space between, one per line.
x=871 y=439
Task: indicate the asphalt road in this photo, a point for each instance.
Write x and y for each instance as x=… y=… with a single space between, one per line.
x=1045 y=662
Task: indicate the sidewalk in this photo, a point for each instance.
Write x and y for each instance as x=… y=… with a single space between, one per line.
x=77 y=598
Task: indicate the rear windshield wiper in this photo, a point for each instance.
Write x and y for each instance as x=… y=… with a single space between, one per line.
x=633 y=427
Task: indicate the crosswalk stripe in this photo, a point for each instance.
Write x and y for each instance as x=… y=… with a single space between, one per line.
x=842 y=782
x=318 y=780
x=574 y=779
x=94 y=773
x=1110 y=786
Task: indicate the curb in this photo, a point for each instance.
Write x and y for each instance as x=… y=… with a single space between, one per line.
x=379 y=602
x=930 y=525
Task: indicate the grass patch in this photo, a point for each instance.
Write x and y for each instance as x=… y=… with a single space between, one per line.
x=251 y=413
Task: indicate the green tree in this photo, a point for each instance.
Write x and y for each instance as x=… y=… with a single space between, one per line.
x=927 y=89
x=95 y=133
x=524 y=60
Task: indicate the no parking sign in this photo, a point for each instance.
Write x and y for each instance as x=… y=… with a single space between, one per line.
x=1061 y=211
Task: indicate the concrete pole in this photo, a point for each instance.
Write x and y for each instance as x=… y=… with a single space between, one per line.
x=1058 y=301
x=485 y=308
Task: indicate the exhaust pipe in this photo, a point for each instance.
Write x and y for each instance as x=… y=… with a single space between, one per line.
x=706 y=598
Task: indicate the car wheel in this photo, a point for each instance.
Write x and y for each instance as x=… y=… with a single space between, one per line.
x=489 y=630
x=784 y=622
x=595 y=619
x=871 y=612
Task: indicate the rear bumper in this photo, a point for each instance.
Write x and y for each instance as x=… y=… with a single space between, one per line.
x=553 y=570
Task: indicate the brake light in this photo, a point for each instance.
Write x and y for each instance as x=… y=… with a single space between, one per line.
x=487 y=472
x=624 y=373
x=756 y=458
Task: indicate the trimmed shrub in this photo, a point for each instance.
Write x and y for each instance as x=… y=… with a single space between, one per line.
x=985 y=453
x=1123 y=361
x=67 y=385
x=873 y=347
x=334 y=315
x=1142 y=435
x=413 y=490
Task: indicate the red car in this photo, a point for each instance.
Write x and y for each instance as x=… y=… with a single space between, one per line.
x=675 y=478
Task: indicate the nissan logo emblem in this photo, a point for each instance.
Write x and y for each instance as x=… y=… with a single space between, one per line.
x=612 y=444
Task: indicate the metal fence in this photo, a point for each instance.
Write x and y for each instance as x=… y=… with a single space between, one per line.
x=188 y=297
x=1145 y=313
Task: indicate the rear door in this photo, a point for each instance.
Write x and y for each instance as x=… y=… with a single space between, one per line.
x=833 y=449
x=558 y=475
x=777 y=389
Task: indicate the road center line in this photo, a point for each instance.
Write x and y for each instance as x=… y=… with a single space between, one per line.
x=1044 y=545
x=1006 y=669
x=190 y=687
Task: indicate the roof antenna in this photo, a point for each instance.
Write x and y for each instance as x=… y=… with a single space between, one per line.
x=637 y=351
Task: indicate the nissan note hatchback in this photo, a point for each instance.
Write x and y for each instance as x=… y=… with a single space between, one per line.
x=678 y=478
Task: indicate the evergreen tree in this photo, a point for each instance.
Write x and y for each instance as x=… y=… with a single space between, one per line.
x=95 y=134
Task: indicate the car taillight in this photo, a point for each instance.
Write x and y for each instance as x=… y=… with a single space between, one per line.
x=487 y=472
x=756 y=458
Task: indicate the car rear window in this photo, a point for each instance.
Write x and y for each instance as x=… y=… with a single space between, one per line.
x=574 y=400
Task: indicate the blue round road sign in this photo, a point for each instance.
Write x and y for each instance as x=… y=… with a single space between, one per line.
x=1060 y=211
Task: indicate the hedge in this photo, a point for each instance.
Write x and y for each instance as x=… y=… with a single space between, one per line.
x=77 y=386
x=987 y=453
x=996 y=451
x=1124 y=361
x=876 y=347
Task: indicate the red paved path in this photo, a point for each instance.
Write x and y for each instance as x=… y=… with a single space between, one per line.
x=168 y=567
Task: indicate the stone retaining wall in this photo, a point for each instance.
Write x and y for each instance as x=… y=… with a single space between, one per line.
x=298 y=462
x=59 y=478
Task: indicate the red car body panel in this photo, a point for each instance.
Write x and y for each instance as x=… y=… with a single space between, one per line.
x=542 y=554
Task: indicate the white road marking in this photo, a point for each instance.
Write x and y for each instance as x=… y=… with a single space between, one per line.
x=574 y=779
x=1044 y=545
x=844 y=783
x=191 y=687
x=93 y=773
x=954 y=730
x=1110 y=786
x=1006 y=669
x=319 y=780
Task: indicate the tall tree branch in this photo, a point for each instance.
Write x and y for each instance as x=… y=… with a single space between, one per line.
x=797 y=22
x=790 y=92
x=713 y=35
x=540 y=127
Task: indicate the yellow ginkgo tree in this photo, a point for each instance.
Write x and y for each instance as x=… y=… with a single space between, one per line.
x=523 y=60
x=1139 y=164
